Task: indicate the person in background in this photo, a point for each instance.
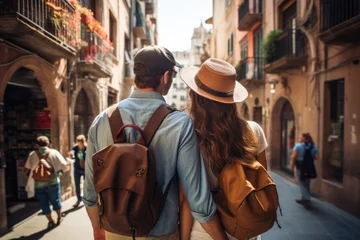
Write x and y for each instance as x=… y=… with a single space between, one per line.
x=306 y=143
x=48 y=191
x=79 y=153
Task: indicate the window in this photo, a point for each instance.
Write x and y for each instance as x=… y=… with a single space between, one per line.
x=182 y=86
x=334 y=130
x=113 y=32
x=182 y=98
x=174 y=97
x=231 y=45
x=111 y=99
x=174 y=85
x=227 y=2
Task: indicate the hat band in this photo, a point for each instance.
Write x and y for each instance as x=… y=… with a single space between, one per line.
x=212 y=91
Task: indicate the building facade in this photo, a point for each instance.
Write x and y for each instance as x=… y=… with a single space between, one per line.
x=299 y=61
x=178 y=95
x=61 y=63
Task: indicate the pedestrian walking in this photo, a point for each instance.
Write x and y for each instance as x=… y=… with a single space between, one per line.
x=302 y=162
x=224 y=137
x=79 y=153
x=173 y=145
x=43 y=166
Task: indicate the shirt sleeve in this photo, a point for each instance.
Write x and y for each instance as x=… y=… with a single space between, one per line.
x=297 y=147
x=259 y=132
x=89 y=188
x=192 y=174
x=59 y=162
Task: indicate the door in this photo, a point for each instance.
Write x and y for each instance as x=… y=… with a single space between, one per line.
x=287 y=135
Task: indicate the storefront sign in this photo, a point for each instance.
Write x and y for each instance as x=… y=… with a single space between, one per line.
x=42 y=119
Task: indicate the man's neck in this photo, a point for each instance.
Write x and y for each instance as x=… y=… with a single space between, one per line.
x=147 y=90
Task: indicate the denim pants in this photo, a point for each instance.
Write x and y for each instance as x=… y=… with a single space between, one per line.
x=77 y=175
x=49 y=194
x=304 y=186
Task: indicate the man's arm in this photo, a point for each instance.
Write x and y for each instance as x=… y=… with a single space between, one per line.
x=90 y=194
x=192 y=174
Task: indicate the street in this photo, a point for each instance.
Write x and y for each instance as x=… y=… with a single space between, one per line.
x=322 y=221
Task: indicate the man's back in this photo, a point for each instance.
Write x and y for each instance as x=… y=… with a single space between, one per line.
x=175 y=150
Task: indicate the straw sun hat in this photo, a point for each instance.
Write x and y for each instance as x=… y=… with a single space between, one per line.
x=215 y=80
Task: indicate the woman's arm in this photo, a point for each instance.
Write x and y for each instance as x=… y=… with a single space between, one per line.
x=186 y=219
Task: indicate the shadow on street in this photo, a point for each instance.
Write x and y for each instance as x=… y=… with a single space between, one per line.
x=71 y=210
x=34 y=236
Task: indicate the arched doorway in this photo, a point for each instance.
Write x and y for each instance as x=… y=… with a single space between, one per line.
x=83 y=114
x=287 y=135
x=245 y=111
x=26 y=115
x=283 y=134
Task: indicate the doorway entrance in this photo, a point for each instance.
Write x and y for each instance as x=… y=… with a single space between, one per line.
x=287 y=135
x=26 y=116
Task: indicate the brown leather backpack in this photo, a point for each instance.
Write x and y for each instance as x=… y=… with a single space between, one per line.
x=129 y=199
x=247 y=200
x=43 y=172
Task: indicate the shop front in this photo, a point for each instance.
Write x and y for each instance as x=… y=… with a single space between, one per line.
x=30 y=94
x=26 y=116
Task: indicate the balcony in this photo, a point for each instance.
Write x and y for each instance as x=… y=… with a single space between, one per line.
x=290 y=52
x=250 y=72
x=340 y=21
x=149 y=7
x=250 y=12
x=139 y=24
x=96 y=58
x=39 y=26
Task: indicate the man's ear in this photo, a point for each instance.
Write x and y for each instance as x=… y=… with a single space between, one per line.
x=166 y=77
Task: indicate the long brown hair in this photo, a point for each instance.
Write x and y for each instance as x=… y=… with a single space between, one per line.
x=223 y=136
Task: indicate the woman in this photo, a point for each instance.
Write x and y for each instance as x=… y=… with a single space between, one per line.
x=223 y=136
x=78 y=152
x=299 y=150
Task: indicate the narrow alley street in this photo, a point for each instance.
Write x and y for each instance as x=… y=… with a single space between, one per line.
x=322 y=222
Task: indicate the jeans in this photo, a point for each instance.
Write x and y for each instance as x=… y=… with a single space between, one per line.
x=77 y=175
x=304 y=186
x=49 y=194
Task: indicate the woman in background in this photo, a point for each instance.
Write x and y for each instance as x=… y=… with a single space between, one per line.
x=78 y=152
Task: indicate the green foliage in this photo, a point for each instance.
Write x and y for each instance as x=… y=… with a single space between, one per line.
x=269 y=47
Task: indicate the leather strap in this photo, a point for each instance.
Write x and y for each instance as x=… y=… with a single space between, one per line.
x=155 y=122
x=115 y=120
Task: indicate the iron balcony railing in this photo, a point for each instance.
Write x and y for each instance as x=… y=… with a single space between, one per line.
x=97 y=50
x=335 y=12
x=249 y=7
x=52 y=17
x=250 y=68
x=291 y=43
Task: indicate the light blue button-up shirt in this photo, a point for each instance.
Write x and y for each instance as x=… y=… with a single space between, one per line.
x=174 y=147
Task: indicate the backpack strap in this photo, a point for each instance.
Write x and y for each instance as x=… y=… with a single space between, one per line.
x=115 y=120
x=155 y=121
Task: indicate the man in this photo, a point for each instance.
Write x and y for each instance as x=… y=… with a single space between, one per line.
x=47 y=191
x=174 y=147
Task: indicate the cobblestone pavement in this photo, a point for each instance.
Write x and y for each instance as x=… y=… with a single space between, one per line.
x=322 y=222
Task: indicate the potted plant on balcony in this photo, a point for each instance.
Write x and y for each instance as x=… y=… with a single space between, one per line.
x=269 y=47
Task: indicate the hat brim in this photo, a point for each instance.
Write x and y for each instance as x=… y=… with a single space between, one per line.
x=188 y=74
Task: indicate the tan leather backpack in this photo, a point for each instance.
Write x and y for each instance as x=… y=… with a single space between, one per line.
x=129 y=199
x=43 y=172
x=247 y=200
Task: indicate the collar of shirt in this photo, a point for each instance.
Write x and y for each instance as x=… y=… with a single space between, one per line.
x=43 y=150
x=143 y=94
